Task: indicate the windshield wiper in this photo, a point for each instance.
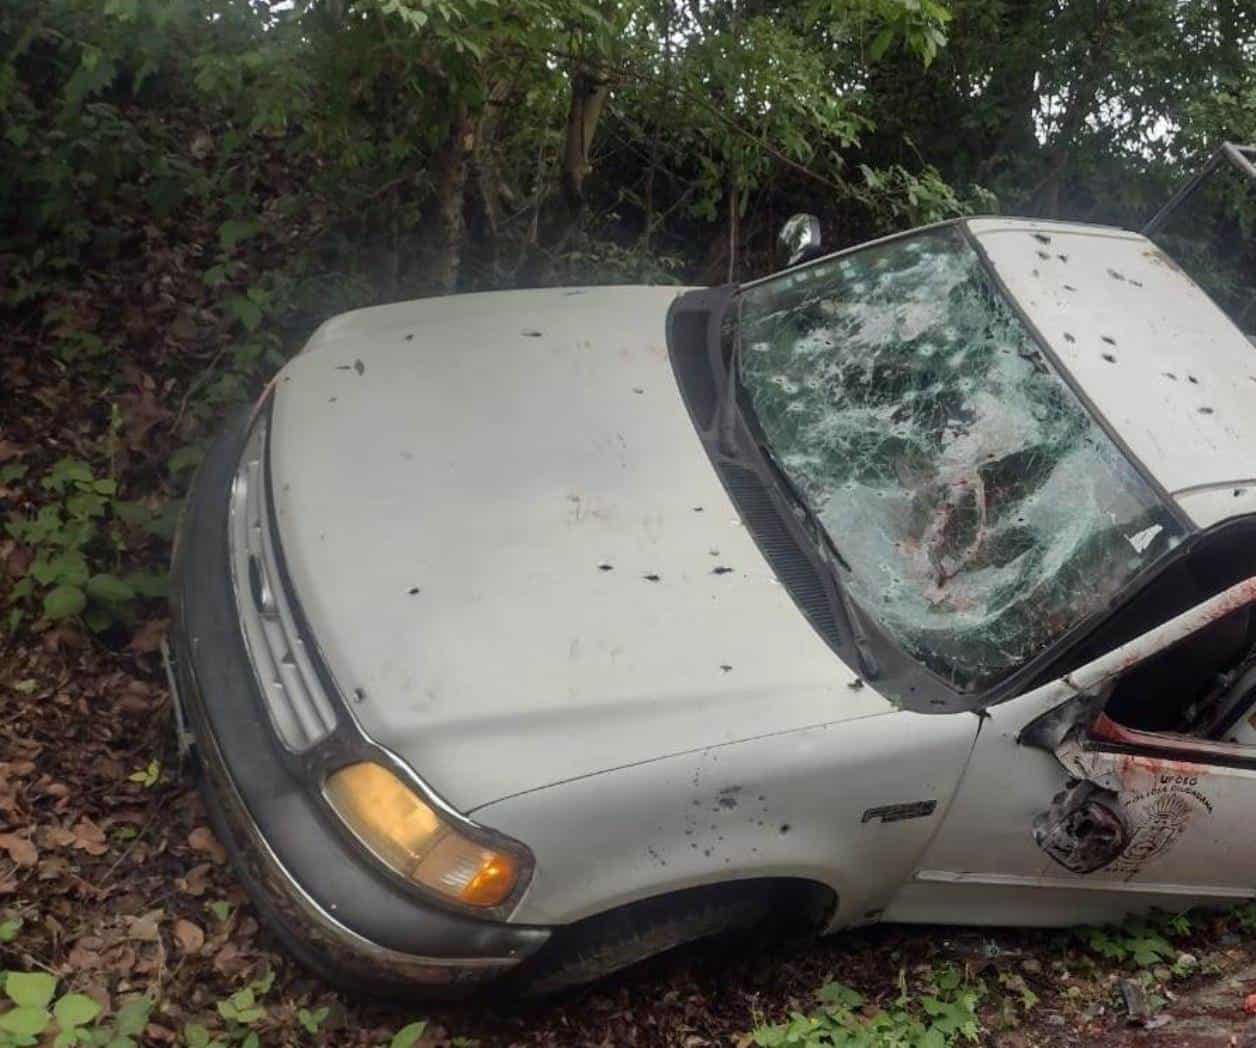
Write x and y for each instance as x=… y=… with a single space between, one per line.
x=819 y=541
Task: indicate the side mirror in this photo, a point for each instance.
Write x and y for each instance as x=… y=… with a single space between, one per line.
x=799 y=239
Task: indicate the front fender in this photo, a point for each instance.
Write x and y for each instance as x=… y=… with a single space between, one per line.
x=849 y=805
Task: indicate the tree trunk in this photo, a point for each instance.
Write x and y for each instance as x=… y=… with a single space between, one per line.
x=1012 y=91
x=489 y=188
x=1095 y=66
x=452 y=163
x=588 y=99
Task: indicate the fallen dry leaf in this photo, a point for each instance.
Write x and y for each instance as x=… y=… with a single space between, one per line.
x=202 y=839
x=90 y=838
x=85 y=954
x=188 y=935
x=144 y=928
x=196 y=881
x=20 y=850
x=59 y=837
x=1249 y=1004
x=147 y=639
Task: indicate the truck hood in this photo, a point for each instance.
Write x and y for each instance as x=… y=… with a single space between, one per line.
x=514 y=552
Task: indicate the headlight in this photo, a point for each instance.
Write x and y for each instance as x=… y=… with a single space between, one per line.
x=411 y=838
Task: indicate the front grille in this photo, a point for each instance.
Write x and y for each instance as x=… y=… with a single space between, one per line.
x=298 y=705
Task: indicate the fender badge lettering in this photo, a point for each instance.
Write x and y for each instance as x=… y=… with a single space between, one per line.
x=900 y=812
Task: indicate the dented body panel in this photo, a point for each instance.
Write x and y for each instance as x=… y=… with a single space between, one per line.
x=1182 y=804
x=850 y=805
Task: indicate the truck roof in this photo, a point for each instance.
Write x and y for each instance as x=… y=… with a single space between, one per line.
x=1172 y=375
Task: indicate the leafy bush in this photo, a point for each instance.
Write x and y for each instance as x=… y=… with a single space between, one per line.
x=33 y=1014
x=945 y=1015
x=79 y=538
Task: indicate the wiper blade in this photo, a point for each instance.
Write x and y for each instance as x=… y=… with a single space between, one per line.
x=819 y=540
x=828 y=554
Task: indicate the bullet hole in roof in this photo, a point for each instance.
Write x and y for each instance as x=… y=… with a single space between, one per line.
x=720 y=569
x=726 y=667
x=359 y=367
x=856 y=684
x=1062 y=257
x=1240 y=492
x=413 y=591
x=1206 y=411
x=606 y=567
x=1109 y=358
x=637 y=389
x=1069 y=338
x=1043 y=254
x=1042 y=238
x=409 y=337
x=1069 y=287
x=331 y=400
x=713 y=552
x=652 y=577
x=1192 y=380
x=697 y=509
x=529 y=333
x=1169 y=375
x=1136 y=283
x=344 y=367
x=785 y=828
x=1036 y=273
x=359 y=694
x=1108 y=339
x=1115 y=275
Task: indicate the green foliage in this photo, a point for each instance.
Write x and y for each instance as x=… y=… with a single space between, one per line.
x=79 y=539
x=408 y=1035
x=945 y=1014
x=147 y=776
x=221 y=909
x=312 y=1020
x=1136 y=941
x=33 y=1014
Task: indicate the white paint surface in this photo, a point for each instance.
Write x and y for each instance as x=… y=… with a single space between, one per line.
x=1180 y=387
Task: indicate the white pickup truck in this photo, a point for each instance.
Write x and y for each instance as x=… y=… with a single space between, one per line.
x=522 y=635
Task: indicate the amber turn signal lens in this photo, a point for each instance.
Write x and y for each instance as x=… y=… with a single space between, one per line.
x=410 y=837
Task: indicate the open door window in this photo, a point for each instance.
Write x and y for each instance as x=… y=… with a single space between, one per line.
x=1169 y=805
x=1209 y=229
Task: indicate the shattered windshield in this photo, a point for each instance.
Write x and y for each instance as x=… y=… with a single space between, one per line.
x=980 y=509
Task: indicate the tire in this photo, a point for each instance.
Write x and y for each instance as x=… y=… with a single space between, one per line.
x=591 y=949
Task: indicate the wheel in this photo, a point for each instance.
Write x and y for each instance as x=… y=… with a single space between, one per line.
x=588 y=950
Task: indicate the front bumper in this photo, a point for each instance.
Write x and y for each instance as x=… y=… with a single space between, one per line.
x=336 y=914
